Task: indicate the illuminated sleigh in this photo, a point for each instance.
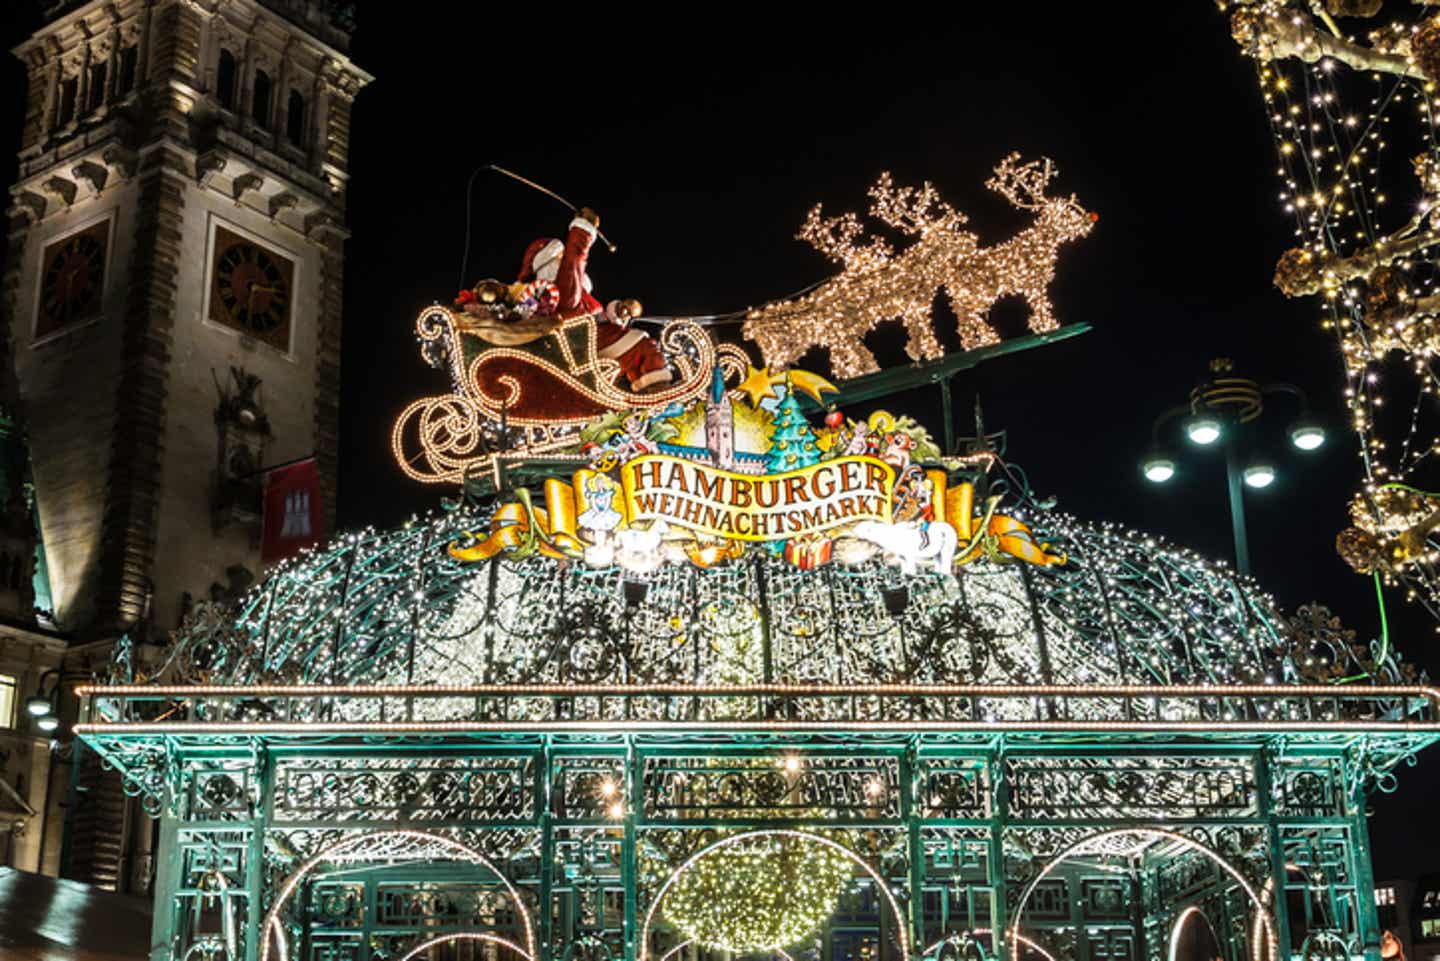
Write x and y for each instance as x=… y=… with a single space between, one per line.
x=529 y=385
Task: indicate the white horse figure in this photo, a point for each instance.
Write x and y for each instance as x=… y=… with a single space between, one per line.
x=911 y=544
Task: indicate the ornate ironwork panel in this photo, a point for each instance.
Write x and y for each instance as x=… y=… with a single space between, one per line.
x=495 y=787
x=1119 y=786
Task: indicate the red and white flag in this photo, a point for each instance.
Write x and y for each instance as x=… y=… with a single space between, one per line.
x=294 y=516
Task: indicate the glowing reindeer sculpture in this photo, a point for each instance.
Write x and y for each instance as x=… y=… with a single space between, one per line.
x=876 y=284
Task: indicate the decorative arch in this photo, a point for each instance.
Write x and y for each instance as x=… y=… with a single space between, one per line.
x=880 y=885
x=435 y=942
x=1082 y=846
x=933 y=951
x=393 y=845
x=1178 y=927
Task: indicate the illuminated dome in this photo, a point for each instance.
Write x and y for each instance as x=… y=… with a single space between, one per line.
x=395 y=608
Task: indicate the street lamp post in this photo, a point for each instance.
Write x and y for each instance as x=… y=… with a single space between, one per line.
x=1217 y=410
x=41 y=706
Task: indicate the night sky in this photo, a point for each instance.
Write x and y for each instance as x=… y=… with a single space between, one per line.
x=702 y=139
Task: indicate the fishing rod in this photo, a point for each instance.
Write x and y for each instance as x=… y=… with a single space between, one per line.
x=469 y=193
x=549 y=193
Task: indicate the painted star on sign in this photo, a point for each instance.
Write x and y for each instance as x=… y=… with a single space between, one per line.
x=757 y=384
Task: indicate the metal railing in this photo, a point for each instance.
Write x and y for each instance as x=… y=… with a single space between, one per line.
x=764 y=707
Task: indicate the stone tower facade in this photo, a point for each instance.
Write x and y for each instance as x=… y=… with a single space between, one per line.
x=176 y=234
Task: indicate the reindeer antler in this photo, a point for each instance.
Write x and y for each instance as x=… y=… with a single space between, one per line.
x=838 y=239
x=911 y=210
x=1023 y=184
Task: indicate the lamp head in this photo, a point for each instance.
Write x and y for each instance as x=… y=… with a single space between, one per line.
x=1259 y=476
x=896 y=599
x=1157 y=467
x=635 y=591
x=1307 y=433
x=1204 y=429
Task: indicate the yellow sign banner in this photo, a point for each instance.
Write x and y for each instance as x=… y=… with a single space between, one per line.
x=749 y=507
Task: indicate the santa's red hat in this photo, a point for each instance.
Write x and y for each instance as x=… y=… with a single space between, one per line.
x=537 y=255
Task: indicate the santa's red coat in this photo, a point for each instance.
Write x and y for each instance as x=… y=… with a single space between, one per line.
x=640 y=360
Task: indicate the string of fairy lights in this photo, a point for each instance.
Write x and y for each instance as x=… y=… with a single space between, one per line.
x=385 y=607
x=1352 y=104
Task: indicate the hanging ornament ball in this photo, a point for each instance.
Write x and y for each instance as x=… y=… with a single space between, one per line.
x=1425 y=48
x=1360 y=549
x=1298 y=273
x=1353 y=8
x=1255 y=31
x=1382 y=294
x=834 y=419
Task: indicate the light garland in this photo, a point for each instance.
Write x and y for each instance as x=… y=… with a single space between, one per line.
x=877 y=285
x=760 y=894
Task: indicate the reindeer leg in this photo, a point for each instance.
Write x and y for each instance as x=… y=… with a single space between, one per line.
x=1042 y=316
x=969 y=305
x=849 y=356
x=975 y=331
x=919 y=323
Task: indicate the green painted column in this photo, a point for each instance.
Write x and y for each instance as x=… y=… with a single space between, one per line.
x=1264 y=789
x=1000 y=816
x=547 y=851
x=1364 y=874
x=167 y=879
x=255 y=856
x=909 y=780
x=629 y=869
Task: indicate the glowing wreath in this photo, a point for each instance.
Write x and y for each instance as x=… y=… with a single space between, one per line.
x=761 y=894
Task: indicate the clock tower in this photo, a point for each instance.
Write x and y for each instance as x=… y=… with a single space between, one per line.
x=172 y=289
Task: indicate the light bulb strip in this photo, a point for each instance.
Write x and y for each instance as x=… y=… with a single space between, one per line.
x=1376 y=727
x=1328 y=691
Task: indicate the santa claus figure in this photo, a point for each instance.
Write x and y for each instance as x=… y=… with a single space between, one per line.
x=550 y=261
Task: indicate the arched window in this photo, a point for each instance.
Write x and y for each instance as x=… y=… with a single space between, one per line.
x=225 y=80
x=295 y=119
x=262 y=99
x=96 y=95
x=129 y=63
x=69 y=93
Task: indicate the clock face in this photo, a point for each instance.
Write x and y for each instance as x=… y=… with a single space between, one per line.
x=251 y=289
x=72 y=279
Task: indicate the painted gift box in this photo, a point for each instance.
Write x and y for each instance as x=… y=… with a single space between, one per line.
x=808 y=553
